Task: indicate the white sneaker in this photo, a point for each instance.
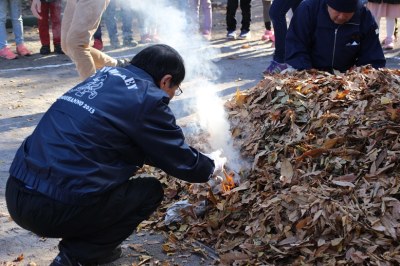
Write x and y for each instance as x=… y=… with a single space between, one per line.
x=244 y=35
x=231 y=35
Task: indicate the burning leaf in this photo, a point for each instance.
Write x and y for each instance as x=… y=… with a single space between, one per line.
x=228 y=183
x=239 y=97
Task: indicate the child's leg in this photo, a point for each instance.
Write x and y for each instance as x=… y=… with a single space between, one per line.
x=267 y=19
x=43 y=24
x=245 y=6
x=195 y=10
x=55 y=12
x=207 y=15
x=390 y=24
x=231 y=8
x=16 y=18
x=3 y=18
x=388 y=44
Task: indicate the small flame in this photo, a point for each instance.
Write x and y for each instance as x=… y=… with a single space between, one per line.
x=228 y=183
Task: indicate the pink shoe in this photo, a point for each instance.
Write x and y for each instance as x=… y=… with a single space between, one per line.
x=207 y=35
x=155 y=38
x=146 y=38
x=265 y=37
x=22 y=50
x=271 y=36
x=268 y=36
x=388 y=43
x=7 y=53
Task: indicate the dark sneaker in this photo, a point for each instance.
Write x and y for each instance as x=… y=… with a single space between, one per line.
x=244 y=35
x=275 y=68
x=63 y=259
x=122 y=62
x=114 y=43
x=57 y=49
x=45 y=49
x=115 y=254
x=130 y=43
x=231 y=35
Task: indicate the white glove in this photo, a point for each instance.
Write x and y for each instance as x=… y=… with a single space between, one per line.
x=219 y=161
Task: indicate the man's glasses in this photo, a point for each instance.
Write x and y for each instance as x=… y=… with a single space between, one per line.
x=178 y=91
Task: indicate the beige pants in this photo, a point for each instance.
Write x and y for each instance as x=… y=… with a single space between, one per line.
x=80 y=21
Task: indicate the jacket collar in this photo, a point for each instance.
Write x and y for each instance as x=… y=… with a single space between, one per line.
x=140 y=72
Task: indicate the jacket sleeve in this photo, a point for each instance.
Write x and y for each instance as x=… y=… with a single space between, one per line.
x=299 y=38
x=371 y=50
x=164 y=145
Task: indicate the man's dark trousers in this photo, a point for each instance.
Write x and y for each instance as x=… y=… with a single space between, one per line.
x=88 y=232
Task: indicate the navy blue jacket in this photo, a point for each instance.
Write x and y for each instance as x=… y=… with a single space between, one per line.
x=315 y=41
x=99 y=133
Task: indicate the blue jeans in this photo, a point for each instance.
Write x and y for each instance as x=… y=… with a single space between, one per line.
x=126 y=12
x=277 y=13
x=16 y=19
x=110 y=20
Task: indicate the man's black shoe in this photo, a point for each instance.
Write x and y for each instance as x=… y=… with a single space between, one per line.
x=63 y=259
x=45 y=49
x=130 y=43
x=57 y=49
x=115 y=254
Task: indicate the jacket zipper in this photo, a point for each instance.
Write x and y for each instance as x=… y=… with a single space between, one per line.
x=334 y=47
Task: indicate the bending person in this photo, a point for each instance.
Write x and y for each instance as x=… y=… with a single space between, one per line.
x=72 y=177
x=333 y=35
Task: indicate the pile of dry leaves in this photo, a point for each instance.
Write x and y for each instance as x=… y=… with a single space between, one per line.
x=325 y=179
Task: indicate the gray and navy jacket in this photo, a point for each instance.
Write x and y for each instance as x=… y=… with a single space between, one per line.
x=99 y=133
x=315 y=41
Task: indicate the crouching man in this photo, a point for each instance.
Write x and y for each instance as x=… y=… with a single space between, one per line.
x=333 y=35
x=71 y=178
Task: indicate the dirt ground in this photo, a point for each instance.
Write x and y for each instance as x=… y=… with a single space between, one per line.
x=29 y=85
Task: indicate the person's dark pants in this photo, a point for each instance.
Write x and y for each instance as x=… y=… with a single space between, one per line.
x=232 y=6
x=277 y=13
x=88 y=232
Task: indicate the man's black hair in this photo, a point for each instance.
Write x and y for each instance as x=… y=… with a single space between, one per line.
x=159 y=60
